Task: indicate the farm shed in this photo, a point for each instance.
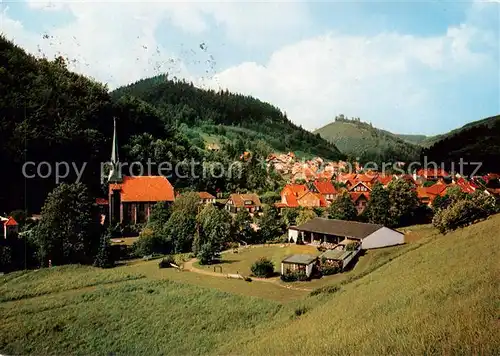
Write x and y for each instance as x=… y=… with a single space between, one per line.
x=339 y=257
x=321 y=230
x=295 y=263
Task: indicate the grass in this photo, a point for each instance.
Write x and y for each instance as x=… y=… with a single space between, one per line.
x=242 y=261
x=20 y=285
x=439 y=298
x=137 y=317
x=436 y=295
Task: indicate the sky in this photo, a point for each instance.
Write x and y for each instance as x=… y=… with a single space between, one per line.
x=415 y=67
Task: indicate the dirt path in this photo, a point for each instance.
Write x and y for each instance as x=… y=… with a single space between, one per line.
x=188 y=266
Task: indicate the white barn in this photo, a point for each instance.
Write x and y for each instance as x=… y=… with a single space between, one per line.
x=331 y=231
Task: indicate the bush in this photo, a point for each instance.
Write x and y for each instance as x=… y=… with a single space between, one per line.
x=352 y=246
x=148 y=244
x=294 y=276
x=464 y=212
x=329 y=270
x=166 y=261
x=325 y=290
x=263 y=267
x=208 y=254
x=299 y=240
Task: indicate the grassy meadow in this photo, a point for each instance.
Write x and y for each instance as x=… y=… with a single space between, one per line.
x=436 y=295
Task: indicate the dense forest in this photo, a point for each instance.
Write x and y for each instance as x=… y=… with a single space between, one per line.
x=208 y=115
x=476 y=142
x=360 y=139
x=49 y=114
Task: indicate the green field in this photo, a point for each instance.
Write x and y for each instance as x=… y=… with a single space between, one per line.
x=435 y=295
x=242 y=261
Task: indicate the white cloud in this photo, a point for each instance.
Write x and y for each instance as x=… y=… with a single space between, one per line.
x=389 y=78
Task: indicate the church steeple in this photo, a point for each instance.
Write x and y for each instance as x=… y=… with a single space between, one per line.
x=115 y=175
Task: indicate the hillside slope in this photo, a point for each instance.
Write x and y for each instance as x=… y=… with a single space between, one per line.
x=440 y=298
x=427 y=141
x=50 y=114
x=243 y=120
x=477 y=141
x=360 y=139
x=436 y=295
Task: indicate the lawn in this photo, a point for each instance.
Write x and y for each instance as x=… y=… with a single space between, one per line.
x=440 y=297
x=242 y=261
x=147 y=317
x=436 y=295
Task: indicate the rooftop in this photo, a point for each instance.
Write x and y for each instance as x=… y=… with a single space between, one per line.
x=344 y=228
x=336 y=254
x=302 y=259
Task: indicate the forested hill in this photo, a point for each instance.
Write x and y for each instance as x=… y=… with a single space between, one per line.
x=361 y=139
x=209 y=116
x=478 y=141
x=49 y=114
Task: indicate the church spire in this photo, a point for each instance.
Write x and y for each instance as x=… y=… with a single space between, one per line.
x=115 y=175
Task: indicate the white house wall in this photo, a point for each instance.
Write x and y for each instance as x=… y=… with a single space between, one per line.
x=293 y=234
x=309 y=269
x=382 y=238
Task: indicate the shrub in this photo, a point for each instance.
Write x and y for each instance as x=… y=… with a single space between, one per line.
x=263 y=267
x=294 y=276
x=329 y=270
x=352 y=246
x=208 y=254
x=325 y=290
x=166 y=261
x=464 y=212
x=301 y=310
x=299 y=240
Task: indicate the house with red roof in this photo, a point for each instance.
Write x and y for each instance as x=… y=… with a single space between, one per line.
x=426 y=195
x=325 y=188
x=10 y=226
x=384 y=179
x=206 y=198
x=250 y=202
x=431 y=174
x=295 y=195
x=360 y=200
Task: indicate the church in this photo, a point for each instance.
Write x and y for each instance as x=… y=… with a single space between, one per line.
x=131 y=198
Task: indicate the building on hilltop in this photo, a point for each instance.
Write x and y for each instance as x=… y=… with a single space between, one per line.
x=131 y=198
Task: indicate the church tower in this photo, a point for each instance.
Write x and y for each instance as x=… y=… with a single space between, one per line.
x=114 y=180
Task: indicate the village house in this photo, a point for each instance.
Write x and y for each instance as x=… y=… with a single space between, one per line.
x=131 y=198
x=237 y=202
x=10 y=227
x=426 y=195
x=432 y=174
x=319 y=231
x=206 y=198
x=360 y=200
x=326 y=189
x=295 y=195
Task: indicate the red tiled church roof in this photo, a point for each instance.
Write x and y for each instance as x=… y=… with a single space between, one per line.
x=144 y=189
